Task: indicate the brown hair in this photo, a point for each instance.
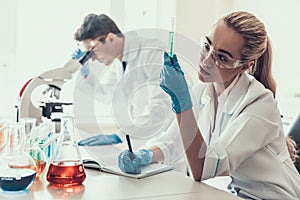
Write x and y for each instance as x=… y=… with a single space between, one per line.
x=257 y=46
x=94 y=26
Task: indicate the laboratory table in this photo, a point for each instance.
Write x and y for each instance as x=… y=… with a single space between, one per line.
x=99 y=185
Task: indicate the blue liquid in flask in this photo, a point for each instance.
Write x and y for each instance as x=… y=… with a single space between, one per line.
x=16 y=179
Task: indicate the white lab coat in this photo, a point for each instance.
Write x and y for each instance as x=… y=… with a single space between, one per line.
x=247 y=142
x=140 y=107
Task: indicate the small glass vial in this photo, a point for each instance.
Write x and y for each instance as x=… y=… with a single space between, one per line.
x=66 y=167
x=17 y=168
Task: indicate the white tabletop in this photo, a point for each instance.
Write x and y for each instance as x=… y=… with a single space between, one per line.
x=99 y=185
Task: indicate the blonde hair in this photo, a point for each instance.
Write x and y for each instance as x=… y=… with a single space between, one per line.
x=257 y=46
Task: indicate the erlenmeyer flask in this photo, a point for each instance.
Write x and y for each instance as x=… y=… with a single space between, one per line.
x=66 y=167
x=17 y=169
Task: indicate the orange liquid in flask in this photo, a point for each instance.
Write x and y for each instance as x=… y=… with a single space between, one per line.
x=66 y=173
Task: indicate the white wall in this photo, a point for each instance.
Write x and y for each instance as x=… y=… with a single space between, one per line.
x=8 y=23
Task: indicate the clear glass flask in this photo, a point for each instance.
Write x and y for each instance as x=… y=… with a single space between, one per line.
x=32 y=148
x=66 y=167
x=17 y=168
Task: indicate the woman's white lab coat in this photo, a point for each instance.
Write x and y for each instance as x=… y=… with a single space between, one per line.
x=247 y=142
x=140 y=107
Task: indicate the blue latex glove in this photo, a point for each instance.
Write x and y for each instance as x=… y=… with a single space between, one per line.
x=132 y=162
x=173 y=82
x=100 y=140
x=84 y=70
x=77 y=54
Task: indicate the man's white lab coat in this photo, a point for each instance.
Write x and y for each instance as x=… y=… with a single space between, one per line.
x=247 y=142
x=140 y=107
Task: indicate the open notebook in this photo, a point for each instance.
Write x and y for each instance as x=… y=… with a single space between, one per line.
x=105 y=159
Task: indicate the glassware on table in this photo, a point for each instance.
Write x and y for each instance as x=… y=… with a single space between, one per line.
x=44 y=136
x=3 y=139
x=17 y=168
x=38 y=156
x=29 y=123
x=66 y=167
x=31 y=146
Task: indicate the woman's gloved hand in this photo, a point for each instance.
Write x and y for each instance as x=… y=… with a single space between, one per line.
x=132 y=162
x=173 y=82
x=84 y=70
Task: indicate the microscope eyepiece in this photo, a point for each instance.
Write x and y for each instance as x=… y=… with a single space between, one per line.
x=87 y=55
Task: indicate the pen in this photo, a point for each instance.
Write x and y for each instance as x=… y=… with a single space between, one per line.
x=128 y=143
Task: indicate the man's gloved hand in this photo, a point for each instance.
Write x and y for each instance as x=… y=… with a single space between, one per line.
x=132 y=162
x=84 y=70
x=173 y=82
x=100 y=139
x=77 y=54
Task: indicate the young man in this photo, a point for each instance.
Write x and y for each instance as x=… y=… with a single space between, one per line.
x=133 y=87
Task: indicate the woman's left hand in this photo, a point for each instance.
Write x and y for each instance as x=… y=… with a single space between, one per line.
x=173 y=82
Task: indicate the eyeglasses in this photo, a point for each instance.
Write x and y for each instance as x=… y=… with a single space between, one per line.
x=97 y=43
x=221 y=59
x=94 y=45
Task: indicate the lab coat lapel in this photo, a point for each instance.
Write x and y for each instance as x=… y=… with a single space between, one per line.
x=132 y=47
x=204 y=115
x=236 y=96
x=131 y=50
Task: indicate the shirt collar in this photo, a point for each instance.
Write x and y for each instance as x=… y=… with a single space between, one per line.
x=231 y=96
x=222 y=97
x=227 y=91
x=237 y=94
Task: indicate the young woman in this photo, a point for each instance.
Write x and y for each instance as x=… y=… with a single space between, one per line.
x=232 y=126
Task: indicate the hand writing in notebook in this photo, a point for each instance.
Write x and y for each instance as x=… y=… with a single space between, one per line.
x=132 y=162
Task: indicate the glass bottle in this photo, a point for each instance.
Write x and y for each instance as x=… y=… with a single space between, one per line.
x=66 y=167
x=38 y=156
x=31 y=146
x=17 y=169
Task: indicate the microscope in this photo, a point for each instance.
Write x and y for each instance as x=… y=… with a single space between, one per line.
x=47 y=86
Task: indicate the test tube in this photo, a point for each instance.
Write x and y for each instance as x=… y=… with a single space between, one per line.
x=171 y=39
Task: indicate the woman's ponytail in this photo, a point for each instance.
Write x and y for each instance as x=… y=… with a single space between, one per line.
x=263 y=69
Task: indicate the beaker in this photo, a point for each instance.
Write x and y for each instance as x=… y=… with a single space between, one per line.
x=66 y=167
x=29 y=123
x=17 y=169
